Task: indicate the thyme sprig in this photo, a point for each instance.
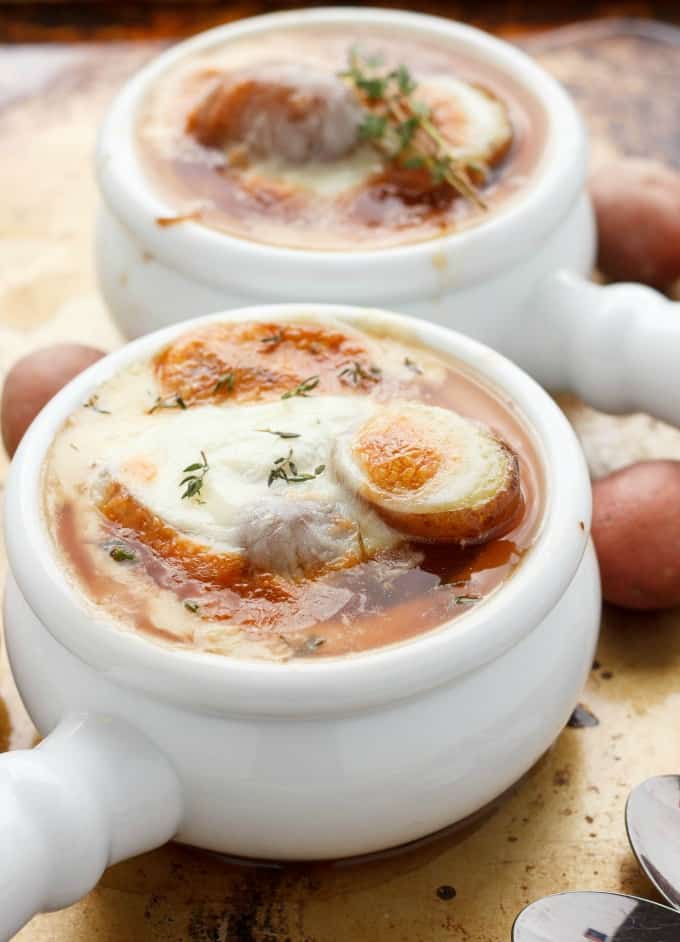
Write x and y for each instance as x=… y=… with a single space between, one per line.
x=171 y=402
x=303 y=388
x=285 y=469
x=354 y=372
x=401 y=128
x=194 y=479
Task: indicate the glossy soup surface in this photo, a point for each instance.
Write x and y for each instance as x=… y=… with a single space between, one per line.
x=351 y=203
x=226 y=405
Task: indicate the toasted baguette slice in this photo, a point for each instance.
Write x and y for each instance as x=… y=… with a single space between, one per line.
x=432 y=474
x=474 y=123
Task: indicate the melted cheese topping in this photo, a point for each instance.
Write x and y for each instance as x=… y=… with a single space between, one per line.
x=242 y=452
x=204 y=496
x=317 y=178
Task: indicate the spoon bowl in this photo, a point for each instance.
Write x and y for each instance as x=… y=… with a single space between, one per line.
x=653 y=825
x=596 y=917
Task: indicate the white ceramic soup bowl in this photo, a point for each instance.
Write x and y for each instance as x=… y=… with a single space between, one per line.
x=518 y=281
x=301 y=760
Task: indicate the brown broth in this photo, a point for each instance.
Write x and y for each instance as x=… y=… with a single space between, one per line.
x=376 y=213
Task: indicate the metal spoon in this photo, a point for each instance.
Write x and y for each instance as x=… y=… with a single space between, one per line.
x=653 y=825
x=596 y=917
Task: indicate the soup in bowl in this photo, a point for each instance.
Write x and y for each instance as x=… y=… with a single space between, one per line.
x=328 y=138
x=264 y=489
x=292 y=582
x=376 y=157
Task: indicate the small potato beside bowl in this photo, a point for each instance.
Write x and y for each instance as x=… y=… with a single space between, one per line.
x=636 y=530
x=33 y=381
x=637 y=208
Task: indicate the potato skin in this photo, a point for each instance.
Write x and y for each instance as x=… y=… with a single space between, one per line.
x=637 y=206
x=33 y=381
x=636 y=530
x=466 y=526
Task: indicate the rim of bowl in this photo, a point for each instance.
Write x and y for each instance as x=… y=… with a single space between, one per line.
x=214 y=683
x=403 y=272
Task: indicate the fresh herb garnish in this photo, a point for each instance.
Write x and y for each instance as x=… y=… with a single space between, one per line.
x=225 y=382
x=355 y=372
x=303 y=389
x=466 y=599
x=372 y=127
x=93 y=403
x=312 y=643
x=412 y=365
x=191 y=606
x=285 y=469
x=172 y=402
x=194 y=479
x=273 y=431
x=401 y=127
x=404 y=80
x=121 y=554
x=274 y=338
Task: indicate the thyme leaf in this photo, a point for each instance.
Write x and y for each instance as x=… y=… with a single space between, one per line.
x=406 y=130
x=372 y=126
x=194 y=479
x=171 y=402
x=466 y=599
x=355 y=372
x=312 y=643
x=303 y=388
x=225 y=382
x=404 y=80
x=285 y=469
x=273 y=431
x=274 y=338
x=120 y=554
x=191 y=606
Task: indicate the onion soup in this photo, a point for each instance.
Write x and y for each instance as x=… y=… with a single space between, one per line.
x=330 y=138
x=293 y=488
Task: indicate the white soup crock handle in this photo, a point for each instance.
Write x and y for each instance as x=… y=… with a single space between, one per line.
x=617 y=346
x=96 y=791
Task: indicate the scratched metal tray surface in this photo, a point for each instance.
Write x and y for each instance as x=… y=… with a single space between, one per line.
x=562 y=827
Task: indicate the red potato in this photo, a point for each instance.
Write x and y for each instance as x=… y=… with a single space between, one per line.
x=33 y=381
x=636 y=529
x=637 y=206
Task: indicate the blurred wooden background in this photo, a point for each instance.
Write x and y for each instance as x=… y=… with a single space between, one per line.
x=55 y=20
